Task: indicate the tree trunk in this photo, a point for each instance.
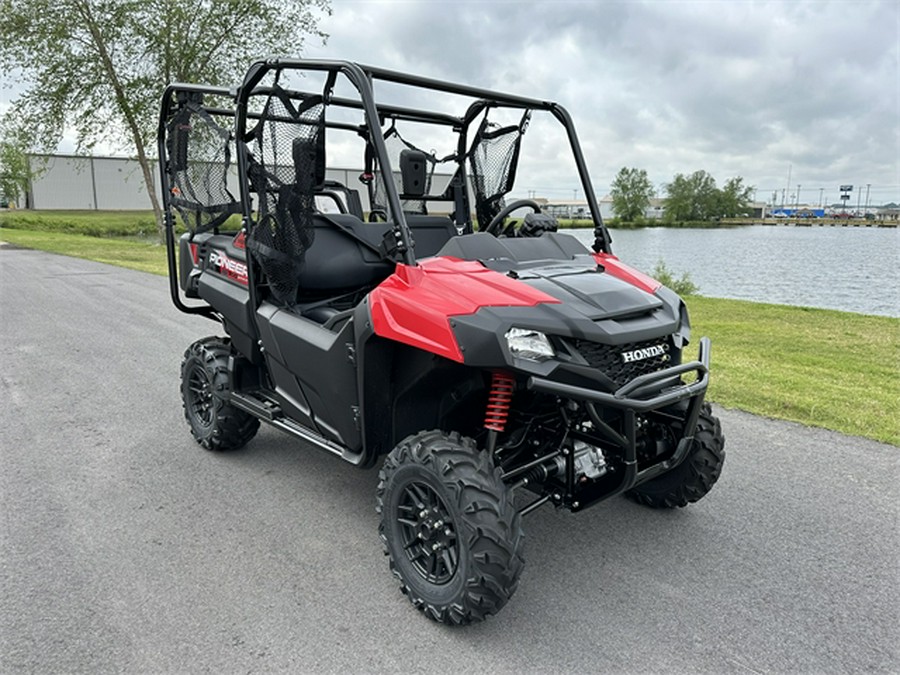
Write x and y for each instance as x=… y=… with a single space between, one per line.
x=126 y=110
x=148 y=181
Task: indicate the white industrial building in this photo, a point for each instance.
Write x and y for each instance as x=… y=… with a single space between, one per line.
x=71 y=182
x=86 y=183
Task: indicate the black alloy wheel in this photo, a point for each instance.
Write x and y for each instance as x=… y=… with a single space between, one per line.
x=427 y=533
x=199 y=405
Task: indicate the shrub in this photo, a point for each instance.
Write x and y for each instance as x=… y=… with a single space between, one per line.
x=682 y=286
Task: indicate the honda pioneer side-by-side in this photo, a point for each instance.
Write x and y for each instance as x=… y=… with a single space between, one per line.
x=400 y=316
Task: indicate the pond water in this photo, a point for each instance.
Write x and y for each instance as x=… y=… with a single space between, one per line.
x=847 y=268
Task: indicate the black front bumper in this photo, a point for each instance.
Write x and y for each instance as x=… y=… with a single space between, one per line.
x=644 y=393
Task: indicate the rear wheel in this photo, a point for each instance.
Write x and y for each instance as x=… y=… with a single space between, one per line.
x=449 y=526
x=694 y=477
x=215 y=423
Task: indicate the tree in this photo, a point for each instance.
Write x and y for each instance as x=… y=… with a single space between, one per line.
x=734 y=198
x=100 y=66
x=631 y=192
x=693 y=197
x=15 y=171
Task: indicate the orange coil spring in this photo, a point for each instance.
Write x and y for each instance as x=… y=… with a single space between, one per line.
x=498 y=401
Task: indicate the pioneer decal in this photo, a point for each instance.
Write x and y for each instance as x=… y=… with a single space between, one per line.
x=233 y=269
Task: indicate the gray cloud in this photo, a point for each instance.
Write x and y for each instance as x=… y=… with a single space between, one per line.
x=734 y=88
x=742 y=88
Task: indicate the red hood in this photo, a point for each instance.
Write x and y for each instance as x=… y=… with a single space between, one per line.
x=414 y=304
x=620 y=270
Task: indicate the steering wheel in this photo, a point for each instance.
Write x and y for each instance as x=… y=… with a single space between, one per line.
x=494 y=226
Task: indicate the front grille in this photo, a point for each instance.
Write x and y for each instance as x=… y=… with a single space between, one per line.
x=609 y=359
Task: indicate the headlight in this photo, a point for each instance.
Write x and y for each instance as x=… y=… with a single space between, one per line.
x=529 y=344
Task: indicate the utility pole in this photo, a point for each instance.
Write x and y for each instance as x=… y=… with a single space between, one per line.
x=858 y=197
x=821 y=192
x=868 y=185
x=788 y=185
x=798 y=195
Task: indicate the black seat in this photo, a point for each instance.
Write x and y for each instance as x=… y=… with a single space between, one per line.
x=430 y=233
x=341 y=251
x=338 y=261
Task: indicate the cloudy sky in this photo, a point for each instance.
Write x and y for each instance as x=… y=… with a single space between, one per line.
x=751 y=89
x=782 y=93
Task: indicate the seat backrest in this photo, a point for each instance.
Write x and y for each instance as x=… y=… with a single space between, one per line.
x=338 y=262
x=430 y=233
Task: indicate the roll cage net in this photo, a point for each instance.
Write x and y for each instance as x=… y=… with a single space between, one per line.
x=287 y=152
x=200 y=149
x=494 y=157
x=286 y=157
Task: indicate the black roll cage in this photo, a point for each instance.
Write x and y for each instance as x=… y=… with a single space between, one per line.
x=363 y=78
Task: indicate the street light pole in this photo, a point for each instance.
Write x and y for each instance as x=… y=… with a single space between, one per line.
x=821 y=192
x=798 y=195
x=868 y=185
x=788 y=185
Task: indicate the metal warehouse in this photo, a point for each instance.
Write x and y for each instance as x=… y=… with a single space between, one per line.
x=72 y=182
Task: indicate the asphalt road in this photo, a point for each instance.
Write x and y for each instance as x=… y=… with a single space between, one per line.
x=126 y=547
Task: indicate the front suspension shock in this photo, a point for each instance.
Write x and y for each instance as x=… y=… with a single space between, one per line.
x=499 y=399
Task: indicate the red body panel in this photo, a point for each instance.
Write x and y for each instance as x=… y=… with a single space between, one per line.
x=614 y=267
x=414 y=304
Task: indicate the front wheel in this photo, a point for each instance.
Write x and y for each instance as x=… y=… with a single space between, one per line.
x=215 y=423
x=694 y=477
x=449 y=526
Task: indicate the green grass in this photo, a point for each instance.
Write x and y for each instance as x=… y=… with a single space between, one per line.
x=92 y=223
x=145 y=255
x=819 y=367
x=831 y=369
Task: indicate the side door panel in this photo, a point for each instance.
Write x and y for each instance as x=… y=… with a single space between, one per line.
x=313 y=371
